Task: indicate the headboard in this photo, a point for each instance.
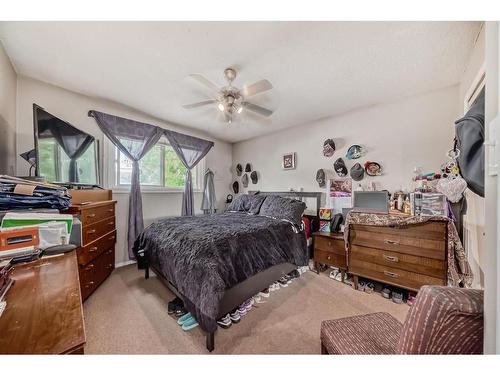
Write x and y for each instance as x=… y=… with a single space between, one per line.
x=294 y=194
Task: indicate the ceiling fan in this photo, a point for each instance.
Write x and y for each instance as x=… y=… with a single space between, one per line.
x=231 y=100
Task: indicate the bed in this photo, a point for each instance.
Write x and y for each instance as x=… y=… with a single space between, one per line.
x=216 y=262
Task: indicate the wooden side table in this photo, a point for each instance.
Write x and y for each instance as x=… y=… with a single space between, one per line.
x=329 y=249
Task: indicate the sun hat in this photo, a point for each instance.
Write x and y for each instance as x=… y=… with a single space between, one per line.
x=340 y=167
x=357 y=172
x=328 y=148
x=248 y=167
x=354 y=152
x=321 y=178
x=254 y=177
x=239 y=169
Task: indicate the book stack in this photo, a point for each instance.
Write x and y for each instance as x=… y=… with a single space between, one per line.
x=5 y=282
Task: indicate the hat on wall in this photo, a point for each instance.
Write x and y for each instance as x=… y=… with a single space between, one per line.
x=239 y=169
x=236 y=187
x=328 y=148
x=354 y=152
x=357 y=172
x=320 y=177
x=248 y=167
x=254 y=177
x=244 y=180
x=340 y=167
x=373 y=168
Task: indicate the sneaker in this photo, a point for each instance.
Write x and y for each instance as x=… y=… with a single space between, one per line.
x=397 y=297
x=235 y=316
x=283 y=281
x=293 y=275
x=174 y=305
x=386 y=292
x=411 y=298
x=225 y=322
x=257 y=299
x=276 y=286
x=369 y=288
x=242 y=310
x=305 y=269
x=248 y=304
x=189 y=324
x=184 y=318
x=265 y=293
x=334 y=273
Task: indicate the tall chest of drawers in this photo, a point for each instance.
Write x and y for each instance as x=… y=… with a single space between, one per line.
x=408 y=257
x=96 y=255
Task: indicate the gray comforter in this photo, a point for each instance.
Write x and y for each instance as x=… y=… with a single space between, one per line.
x=205 y=255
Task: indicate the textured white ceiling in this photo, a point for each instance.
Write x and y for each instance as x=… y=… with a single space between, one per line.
x=318 y=69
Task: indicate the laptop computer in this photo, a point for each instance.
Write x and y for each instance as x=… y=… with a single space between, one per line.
x=371 y=202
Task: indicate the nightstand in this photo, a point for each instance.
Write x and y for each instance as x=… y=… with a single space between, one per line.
x=329 y=249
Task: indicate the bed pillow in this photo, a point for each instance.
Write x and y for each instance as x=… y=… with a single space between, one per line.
x=283 y=208
x=247 y=203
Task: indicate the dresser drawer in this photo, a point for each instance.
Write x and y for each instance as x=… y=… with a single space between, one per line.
x=97 y=230
x=332 y=245
x=329 y=258
x=96 y=248
x=417 y=264
x=96 y=271
x=391 y=275
x=92 y=215
x=399 y=240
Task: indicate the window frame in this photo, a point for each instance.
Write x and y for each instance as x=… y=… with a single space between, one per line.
x=112 y=172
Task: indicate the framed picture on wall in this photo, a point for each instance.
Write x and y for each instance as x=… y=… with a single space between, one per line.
x=288 y=161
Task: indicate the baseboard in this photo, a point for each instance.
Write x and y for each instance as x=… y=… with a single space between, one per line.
x=123 y=264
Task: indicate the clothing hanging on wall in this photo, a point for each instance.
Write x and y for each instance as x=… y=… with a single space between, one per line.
x=209 y=202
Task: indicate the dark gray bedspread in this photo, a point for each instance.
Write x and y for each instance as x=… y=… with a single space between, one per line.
x=205 y=255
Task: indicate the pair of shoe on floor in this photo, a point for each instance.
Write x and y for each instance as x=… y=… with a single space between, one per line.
x=396 y=295
x=187 y=322
x=228 y=320
x=367 y=287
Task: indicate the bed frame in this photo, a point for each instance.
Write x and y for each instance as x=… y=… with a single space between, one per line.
x=239 y=293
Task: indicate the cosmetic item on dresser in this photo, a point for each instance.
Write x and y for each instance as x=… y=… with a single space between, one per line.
x=96 y=255
x=329 y=249
x=407 y=256
x=44 y=313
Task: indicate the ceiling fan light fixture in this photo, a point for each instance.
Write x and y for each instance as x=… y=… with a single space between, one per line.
x=240 y=109
x=221 y=107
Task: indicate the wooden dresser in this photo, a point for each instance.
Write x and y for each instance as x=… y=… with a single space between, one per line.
x=44 y=313
x=406 y=257
x=96 y=256
x=329 y=249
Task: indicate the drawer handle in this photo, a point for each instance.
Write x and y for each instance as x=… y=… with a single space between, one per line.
x=329 y=257
x=390 y=258
x=89 y=267
x=391 y=274
x=91 y=215
x=92 y=249
x=391 y=242
x=92 y=231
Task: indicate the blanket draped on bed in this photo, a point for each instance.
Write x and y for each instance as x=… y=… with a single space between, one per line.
x=202 y=256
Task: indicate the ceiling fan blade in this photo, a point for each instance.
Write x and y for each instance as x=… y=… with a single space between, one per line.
x=256 y=88
x=205 y=82
x=257 y=109
x=199 y=104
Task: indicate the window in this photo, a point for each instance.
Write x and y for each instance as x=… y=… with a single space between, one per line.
x=160 y=169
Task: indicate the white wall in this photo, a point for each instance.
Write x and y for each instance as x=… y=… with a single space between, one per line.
x=8 y=87
x=73 y=108
x=413 y=131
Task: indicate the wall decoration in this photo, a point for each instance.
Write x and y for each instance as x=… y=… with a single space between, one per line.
x=288 y=161
x=321 y=178
x=357 y=172
x=340 y=167
x=355 y=152
x=373 y=168
x=239 y=169
x=244 y=180
x=254 y=177
x=236 y=187
x=328 y=148
x=248 y=168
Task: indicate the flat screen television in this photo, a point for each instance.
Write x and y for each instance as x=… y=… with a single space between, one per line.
x=64 y=153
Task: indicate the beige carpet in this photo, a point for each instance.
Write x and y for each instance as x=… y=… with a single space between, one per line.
x=128 y=315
